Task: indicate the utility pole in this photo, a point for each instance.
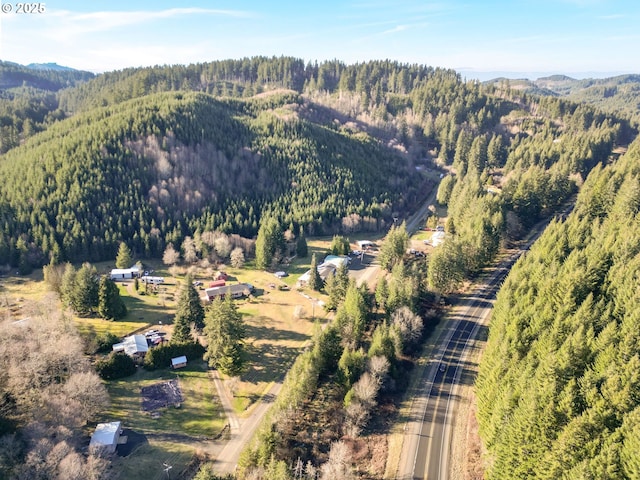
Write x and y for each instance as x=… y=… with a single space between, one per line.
x=167 y=467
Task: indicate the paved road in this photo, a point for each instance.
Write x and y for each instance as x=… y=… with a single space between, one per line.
x=428 y=432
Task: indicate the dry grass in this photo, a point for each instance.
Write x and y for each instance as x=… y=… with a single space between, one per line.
x=148 y=460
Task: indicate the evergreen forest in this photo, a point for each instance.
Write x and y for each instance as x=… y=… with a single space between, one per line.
x=150 y=156
x=558 y=388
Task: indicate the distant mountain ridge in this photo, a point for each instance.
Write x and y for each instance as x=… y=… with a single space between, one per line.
x=617 y=94
x=48 y=76
x=51 y=66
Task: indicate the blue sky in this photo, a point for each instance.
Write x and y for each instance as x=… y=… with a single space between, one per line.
x=524 y=37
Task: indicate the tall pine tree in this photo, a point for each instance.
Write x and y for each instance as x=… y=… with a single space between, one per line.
x=301 y=246
x=123 y=259
x=110 y=304
x=315 y=280
x=189 y=311
x=225 y=334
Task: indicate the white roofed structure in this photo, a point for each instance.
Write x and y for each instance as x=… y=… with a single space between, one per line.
x=134 y=345
x=106 y=436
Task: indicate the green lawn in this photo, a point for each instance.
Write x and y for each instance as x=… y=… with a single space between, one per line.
x=201 y=413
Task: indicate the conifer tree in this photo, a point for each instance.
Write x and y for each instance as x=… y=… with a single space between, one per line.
x=110 y=304
x=188 y=311
x=123 y=259
x=84 y=297
x=225 y=334
x=336 y=287
x=302 y=249
x=315 y=280
x=382 y=292
x=394 y=246
x=270 y=240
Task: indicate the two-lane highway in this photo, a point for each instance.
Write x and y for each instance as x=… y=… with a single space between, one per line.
x=428 y=431
x=427 y=438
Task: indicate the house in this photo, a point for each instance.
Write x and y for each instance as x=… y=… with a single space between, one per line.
x=133 y=345
x=152 y=280
x=336 y=260
x=217 y=283
x=236 y=291
x=106 y=437
x=365 y=243
x=179 y=362
x=324 y=269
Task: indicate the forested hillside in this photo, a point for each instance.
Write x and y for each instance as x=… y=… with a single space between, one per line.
x=28 y=102
x=559 y=383
x=152 y=155
x=151 y=170
x=619 y=95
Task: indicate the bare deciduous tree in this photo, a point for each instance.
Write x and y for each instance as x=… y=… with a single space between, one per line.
x=409 y=324
x=189 y=250
x=237 y=258
x=87 y=389
x=366 y=389
x=299 y=312
x=222 y=246
x=170 y=255
x=357 y=416
x=338 y=466
x=378 y=367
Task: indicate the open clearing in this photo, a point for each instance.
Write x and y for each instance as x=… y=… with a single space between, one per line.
x=279 y=322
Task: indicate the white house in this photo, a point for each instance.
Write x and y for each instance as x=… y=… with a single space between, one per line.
x=106 y=436
x=324 y=269
x=336 y=260
x=133 y=345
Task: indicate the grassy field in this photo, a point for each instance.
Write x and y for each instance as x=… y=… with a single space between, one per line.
x=177 y=434
x=148 y=460
x=274 y=335
x=200 y=414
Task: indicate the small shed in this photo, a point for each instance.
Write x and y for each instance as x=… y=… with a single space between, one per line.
x=365 y=243
x=179 y=362
x=106 y=437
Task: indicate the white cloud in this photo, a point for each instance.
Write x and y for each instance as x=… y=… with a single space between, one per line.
x=66 y=25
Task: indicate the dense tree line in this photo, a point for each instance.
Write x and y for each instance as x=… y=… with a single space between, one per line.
x=28 y=100
x=557 y=388
x=180 y=163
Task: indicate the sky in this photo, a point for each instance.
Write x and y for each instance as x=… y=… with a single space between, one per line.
x=479 y=38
